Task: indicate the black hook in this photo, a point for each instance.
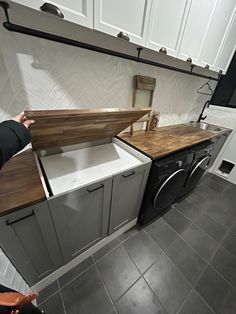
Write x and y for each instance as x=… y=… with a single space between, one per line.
x=5 y=7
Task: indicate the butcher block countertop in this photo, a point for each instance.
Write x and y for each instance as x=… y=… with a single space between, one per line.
x=20 y=183
x=167 y=139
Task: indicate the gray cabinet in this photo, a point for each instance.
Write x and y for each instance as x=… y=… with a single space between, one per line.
x=81 y=217
x=29 y=239
x=127 y=193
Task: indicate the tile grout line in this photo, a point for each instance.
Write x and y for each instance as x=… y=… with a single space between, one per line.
x=104 y=285
x=63 y=304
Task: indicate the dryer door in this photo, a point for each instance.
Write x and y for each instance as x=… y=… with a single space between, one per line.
x=197 y=171
x=169 y=189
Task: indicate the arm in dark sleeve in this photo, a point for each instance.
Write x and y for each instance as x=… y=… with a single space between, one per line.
x=14 y=136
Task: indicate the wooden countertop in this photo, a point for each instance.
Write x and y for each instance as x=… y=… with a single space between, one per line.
x=20 y=183
x=167 y=139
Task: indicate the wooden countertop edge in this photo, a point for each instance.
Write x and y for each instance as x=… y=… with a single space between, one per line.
x=14 y=209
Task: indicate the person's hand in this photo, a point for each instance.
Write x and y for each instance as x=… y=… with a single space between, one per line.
x=21 y=118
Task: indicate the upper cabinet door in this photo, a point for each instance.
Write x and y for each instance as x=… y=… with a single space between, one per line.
x=132 y=17
x=196 y=27
x=228 y=47
x=76 y=11
x=166 y=25
x=217 y=31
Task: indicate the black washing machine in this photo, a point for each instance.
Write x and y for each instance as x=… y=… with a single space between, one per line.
x=201 y=162
x=166 y=180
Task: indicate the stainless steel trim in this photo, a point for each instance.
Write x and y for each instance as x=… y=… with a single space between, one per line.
x=164 y=183
x=195 y=168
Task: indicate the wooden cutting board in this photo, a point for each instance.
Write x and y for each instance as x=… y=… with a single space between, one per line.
x=66 y=127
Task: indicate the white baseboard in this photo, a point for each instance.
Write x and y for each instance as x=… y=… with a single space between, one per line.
x=65 y=268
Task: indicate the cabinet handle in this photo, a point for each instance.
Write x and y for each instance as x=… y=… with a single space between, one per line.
x=8 y=223
x=52 y=9
x=207 y=66
x=123 y=35
x=163 y=50
x=189 y=60
x=98 y=188
x=128 y=175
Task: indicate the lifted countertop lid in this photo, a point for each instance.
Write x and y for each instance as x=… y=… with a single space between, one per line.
x=73 y=126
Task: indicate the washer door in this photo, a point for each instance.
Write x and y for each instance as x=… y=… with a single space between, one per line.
x=197 y=171
x=169 y=189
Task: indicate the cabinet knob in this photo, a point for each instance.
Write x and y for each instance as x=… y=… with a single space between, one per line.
x=163 y=50
x=220 y=72
x=123 y=35
x=189 y=60
x=207 y=66
x=52 y=9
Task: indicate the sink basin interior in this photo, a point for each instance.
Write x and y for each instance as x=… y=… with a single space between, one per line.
x=207 y=126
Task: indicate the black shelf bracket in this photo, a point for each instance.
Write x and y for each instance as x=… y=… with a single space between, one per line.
x=59 y=39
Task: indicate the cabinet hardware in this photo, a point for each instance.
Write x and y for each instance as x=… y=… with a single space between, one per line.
x=52 y=9
x=207 y=66
x=98 y=188
x=8 y=223
x=189 y=60
x=123 y=35
x=163 y=50
x=128 y=175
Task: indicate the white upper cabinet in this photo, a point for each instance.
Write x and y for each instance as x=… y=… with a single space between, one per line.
x=166 y=25
x=228 y=46
x=131 y=17
x=79 y=11
x=199 y=16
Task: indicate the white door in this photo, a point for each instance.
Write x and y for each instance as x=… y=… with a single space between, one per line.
x=166 y=25
x=228 y=47
x=132 y=17
x=199 y=17
x=217 y=31
x=76 y=11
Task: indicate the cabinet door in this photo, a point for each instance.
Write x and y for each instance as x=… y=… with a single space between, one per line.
x=228 y=47
x=127 y=194
x=29 y=239
x=132 y=17
x=166 y=25
x=216 y=33
x=76 y=11
x=198 y=20
x=81 y=217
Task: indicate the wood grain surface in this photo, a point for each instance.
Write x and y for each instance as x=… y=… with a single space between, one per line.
x=74 y=126
x=166 y=140
x=20 y=183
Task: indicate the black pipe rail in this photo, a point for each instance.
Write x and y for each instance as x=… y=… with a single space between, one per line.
x=36 y=33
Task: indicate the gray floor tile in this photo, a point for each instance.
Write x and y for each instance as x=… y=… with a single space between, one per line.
x=161 y=233
x=124 y=236
x=176 y=220
x=86 y=295
x=217 y=292
x=230 y=243
x=230 y=193
x=139 y=299
x=227 y=204
x=214 y=184
x=187 y=261
x=195 y=304
x=106 y=249
x=188 y=209
x=143 y=251
x=53 y=305
x=211 y=227
x=118 y=271
x=207 y=192
x=168 y=283
x=75 y=272
x=47 y=292
x=203 y=244
x=225 y=264
x=199 y=200
x=220 y=215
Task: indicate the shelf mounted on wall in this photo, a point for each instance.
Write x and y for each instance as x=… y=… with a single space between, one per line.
x=63 y=40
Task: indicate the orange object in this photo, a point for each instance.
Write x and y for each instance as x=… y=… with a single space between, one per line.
x=16 y=300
